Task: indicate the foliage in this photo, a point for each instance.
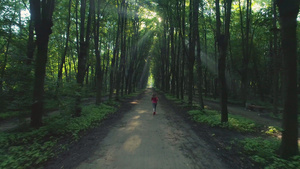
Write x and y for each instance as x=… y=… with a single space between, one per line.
x=263 y=152
x=213 y=118
x=171 y=97
x=279 y=163
x=32 y=147
x=273 y=130
x=9 y=115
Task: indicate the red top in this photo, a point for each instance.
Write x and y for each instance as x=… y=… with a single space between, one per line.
x=154 y=99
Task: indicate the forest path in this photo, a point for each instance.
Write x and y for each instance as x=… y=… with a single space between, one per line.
x=140 y=140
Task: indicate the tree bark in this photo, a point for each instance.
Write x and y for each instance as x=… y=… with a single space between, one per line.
x=42 y=23
x=121 y=68
x=30 y=42
x=276 y=62
x=96 y=27
x=115 y=56
x=246 y=51
x=191 y=56
x=288 y=11
x=198 y=57
x=222 y=45
x=172 y=55
x=184 y=51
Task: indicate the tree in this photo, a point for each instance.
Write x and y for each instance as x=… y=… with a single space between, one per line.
x=123 y=27
x=198 y=57
x=184 y=51
x=41 y=12
x=276 y=61
x=245 y=49
x=191 y=56
x=114 y=61
x=96 y=19
x=222 y=46
x=288 y=11
x=84 y=49
x=134 y=51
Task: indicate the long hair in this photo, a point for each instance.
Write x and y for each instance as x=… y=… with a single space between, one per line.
x=154 y=95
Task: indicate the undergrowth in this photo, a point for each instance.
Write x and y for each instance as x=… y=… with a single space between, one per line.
x=263 y=152
x=9 y=115
x=213 y=118
x=30 y=148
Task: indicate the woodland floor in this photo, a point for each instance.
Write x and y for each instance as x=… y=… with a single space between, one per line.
x=135 y=139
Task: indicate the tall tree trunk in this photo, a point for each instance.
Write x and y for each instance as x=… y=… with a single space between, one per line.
x=246 y=52
x=163 y=58
x=184 y=52
x=198 y=57
x=288 y=11
x=123 y=48
x=179 y=49
x=83 y=51
x=63 y=58
x=42 y=23
x=96 y=27
x=222 y=45
x=115 y=56
x=106 y=70
x=122 y=55
x=167 y=59
x=191 y=56
x=134 y=49
x=77 y=24
x=205 y=49
x=172 y=55
x=30 y=42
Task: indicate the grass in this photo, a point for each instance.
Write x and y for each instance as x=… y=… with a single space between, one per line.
x=263 y=152
x=30 y=148
x=213 y=118
x=10 y=114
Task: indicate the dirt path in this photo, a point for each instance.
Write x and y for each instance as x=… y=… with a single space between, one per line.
x=140 y=140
